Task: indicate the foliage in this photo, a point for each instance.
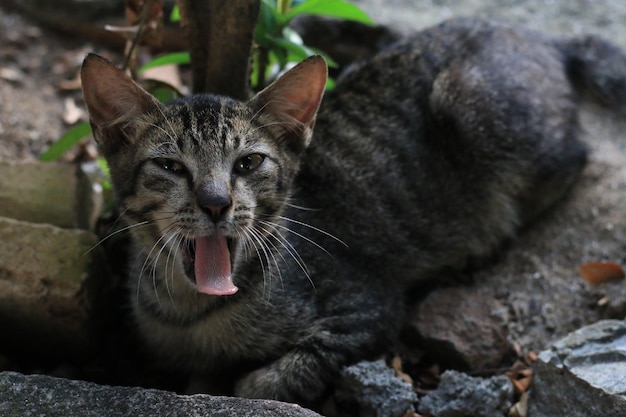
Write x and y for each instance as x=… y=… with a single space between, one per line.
x=177 y=58
x=67 y=142
x=276 y=47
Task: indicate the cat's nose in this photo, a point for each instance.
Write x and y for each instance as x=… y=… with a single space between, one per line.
x=216 y=207
x=214 y=198
x=216 y=212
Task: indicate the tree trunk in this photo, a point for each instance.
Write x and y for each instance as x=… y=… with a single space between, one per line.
x=220 y=35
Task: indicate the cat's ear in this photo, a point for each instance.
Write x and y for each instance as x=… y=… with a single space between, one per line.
x=115 y=102
x=293 y=99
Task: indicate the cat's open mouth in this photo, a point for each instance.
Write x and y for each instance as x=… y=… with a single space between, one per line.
x=207 y=263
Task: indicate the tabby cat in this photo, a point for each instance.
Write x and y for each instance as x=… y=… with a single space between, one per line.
x=278 y=253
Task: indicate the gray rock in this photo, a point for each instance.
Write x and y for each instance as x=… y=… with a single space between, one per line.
x=372 y=389
x=462 y=328
x=460 y=395
x=54 y=193
x=30 y=396
x=52 y=286
x=582 y=374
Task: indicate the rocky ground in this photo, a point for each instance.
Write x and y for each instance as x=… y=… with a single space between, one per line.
x=529 y=298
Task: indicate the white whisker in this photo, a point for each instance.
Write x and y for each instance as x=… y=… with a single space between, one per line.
x=127 y=228
x=277 y=225
x=154 y=261
x=290 y=250
x=110 y=235
x=176 y=236
x=269 y=257
x=317 y=229
x=301 y=207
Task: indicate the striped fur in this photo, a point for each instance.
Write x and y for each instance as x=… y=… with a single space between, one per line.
x=427 y=156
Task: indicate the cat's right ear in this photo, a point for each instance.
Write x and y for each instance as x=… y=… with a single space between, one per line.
x=293 y=100
x=114 y=102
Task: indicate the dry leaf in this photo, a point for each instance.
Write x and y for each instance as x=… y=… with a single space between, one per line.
x=600 y=272
x=520 y=409
x=136 y=11
x=396 y=363
x=168 y=74
x=11 y=74
x=133 y=11
x=522 y=385
x=521 y=379
x=69 y=85
x=517 y=348
x=128 y=32
x=71 y=113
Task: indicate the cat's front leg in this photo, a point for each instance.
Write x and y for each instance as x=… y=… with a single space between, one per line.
x=358 y=327
x=295 y=377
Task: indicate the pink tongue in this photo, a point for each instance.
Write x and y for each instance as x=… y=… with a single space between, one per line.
x=212 y=266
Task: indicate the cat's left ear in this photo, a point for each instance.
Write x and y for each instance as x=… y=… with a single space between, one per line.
x=115 y=102
x=293 y=99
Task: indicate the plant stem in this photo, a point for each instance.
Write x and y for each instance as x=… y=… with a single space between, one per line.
x=220 y=41
x=262 y=63
x=283 y=6
x=130 y=50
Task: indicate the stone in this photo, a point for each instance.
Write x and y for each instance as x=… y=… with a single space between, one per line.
x=37 y=395
x=52 y=286
x=55 y=193
x=461 y=328
x=460 y=395
x=583 y=373
x=611 y=299
x=372 y=389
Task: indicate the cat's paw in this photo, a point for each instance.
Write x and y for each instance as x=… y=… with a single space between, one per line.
x=263 y=383
x=296 y=377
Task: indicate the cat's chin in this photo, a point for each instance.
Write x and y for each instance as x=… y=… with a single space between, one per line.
x=189 y=256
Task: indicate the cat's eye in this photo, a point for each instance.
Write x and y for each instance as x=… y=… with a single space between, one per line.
x=170 y=165
x=248 y=163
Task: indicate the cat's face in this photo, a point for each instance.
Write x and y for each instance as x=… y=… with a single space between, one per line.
x=210 y=183
x=202 y=181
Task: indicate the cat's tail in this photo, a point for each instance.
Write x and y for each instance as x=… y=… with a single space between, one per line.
x=597 y=67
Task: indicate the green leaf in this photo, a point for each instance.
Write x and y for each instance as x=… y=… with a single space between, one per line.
x=175 y=15
x=173 y=58
x=330 y=84
x=278 y=55
x=164 y=94
x=332 y=8
x=104 y=167
x=268 y=22
x=295 y=51
x=67 y=142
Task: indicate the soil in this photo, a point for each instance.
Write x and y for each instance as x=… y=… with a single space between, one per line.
x=537 y=279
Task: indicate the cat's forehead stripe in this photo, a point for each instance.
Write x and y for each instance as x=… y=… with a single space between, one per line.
x=203 y=124
x=220 y=133
x=193 y=132
x=185 y=118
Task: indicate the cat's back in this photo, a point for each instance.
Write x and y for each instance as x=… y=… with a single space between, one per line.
x=403 y=158
x=401 y=76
